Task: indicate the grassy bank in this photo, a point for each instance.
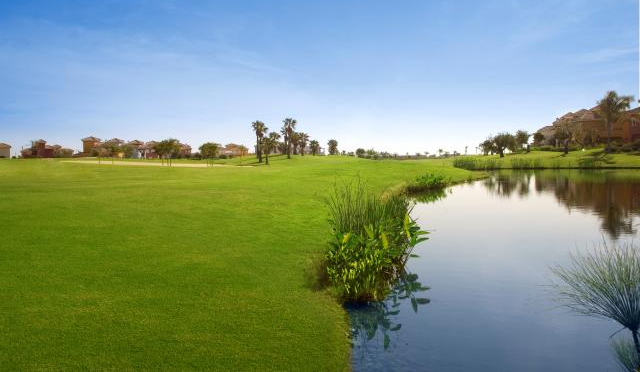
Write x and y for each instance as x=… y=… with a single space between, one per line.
x=588 y=159
x=109 y=267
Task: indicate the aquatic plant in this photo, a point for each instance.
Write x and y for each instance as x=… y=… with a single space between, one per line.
x=427 y=182
x=373 y=239
x=604 y=283
x=626 y=355
x=469 y=163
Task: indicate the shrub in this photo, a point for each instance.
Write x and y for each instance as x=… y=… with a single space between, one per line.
x=373 y=239
x=427 y=182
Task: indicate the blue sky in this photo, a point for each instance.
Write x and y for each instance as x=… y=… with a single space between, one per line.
x=400 y=76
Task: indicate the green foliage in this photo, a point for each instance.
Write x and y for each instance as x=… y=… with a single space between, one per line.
x=504 y=141
x=427 y=182
x=522 y=138
x=333 y=147
x=373 y=238
x=626 y=355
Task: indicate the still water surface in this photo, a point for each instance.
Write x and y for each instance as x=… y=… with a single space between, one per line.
x=487 y=266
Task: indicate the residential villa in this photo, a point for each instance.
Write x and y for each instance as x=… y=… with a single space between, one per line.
x=40 y=149
x=147 y=150
x=5 y=150
x=232 y=149
x=136 y=148
x=627 y=129
x=88 y=145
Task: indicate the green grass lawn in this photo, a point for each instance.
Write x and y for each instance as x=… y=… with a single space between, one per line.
x=574 y=159
x=106 y=267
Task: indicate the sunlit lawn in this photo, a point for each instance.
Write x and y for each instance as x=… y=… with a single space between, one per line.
x=106 y=267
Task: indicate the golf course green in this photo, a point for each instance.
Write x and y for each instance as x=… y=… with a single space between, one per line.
x=134 y=267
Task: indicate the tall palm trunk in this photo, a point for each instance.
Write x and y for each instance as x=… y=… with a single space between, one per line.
x=258 y=149
x=608 y=124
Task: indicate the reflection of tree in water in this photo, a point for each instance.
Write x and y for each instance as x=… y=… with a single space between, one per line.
x=507 y=185
x=615 y=202
x=378 y=318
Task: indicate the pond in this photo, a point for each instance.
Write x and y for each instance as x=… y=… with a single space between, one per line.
x=487 y=267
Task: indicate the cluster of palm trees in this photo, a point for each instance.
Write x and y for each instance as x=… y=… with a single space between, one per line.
x=293 y=141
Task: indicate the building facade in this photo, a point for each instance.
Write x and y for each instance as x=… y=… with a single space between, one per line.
x=5 y=150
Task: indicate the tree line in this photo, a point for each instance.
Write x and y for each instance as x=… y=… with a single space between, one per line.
x=293 y=142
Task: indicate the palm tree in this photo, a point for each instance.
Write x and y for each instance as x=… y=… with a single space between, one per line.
x=612 y=108
x=260 y=129
x=269 y=144
x=243 y=151
x=295 y=142
x=315 y=147
x=303 y=139
x=288 y=130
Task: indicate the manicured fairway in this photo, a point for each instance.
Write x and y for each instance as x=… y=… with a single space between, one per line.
x=107 y=267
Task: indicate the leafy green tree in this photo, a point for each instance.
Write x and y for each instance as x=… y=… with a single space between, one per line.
x=504 y=141
x=287 y=130
x=487 y=146
x=360 y=152
x=209 y=150
x=333 y=147
x=166 y=149
x=303 y=139
x=564 y=136
x=522 y=138
x=260 y=129
x=269 y=143
x=612 y=107
x=538 y=138
x=315 y=147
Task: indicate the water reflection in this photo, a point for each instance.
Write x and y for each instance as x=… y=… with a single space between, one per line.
x=616 y=203
x=377 y=321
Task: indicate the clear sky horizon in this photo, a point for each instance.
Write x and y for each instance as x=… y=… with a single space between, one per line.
x=406 y=76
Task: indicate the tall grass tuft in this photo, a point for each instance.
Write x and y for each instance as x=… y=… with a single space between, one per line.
x=352 y=207
x=373 y=239
x=469 y=163
x=604 y=283
x=626 y=355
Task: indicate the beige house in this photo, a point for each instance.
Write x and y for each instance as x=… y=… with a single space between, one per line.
x=5 y=150
x=232 y=149
x=589 y=121
x=88 y=144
